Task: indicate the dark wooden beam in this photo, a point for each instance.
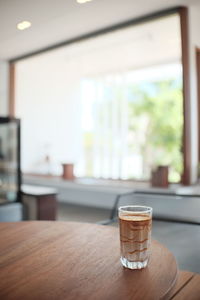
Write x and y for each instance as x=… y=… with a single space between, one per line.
x=11 y=108
x=198 y=99
x=186 y=178
x=92 y=34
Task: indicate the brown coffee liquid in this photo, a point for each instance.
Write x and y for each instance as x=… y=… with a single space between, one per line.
x=135 y=235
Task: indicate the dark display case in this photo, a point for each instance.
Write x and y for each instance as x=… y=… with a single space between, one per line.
x=10 y=174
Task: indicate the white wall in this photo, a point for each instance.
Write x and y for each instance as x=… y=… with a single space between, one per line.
x=46 y=95
x=4 y=79
x=194 y=31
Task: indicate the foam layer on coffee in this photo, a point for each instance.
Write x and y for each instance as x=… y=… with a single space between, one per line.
x=134 y=217
x=135 y=234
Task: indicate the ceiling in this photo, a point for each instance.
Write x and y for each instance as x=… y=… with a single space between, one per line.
x=117 y=51
x=57 y=21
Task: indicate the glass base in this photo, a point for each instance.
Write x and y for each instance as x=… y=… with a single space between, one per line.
x=133 y=264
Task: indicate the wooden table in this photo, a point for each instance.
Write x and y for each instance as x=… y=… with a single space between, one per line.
x=66 y=260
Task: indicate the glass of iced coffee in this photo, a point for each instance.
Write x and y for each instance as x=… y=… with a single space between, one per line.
x=135 y=235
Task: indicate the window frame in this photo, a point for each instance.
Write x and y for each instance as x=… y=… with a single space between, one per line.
x=198 y=103
x=183 y=14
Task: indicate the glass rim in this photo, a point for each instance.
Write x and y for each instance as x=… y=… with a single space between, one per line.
x=144 y=209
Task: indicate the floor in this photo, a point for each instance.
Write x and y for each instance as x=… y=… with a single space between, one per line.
x=183 y=240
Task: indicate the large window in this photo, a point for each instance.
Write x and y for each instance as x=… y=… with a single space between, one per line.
x=132 y=123
x=112 y=104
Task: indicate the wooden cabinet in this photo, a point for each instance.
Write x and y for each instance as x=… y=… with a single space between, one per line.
x=40 y=203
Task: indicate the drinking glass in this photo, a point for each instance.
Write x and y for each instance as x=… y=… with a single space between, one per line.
x=135 y=224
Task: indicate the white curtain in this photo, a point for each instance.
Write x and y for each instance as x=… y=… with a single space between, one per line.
x=106 y=122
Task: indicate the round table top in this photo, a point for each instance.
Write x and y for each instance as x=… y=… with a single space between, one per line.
x=66 y=260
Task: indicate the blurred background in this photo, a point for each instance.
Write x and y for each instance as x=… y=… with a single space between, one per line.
x=99 y=107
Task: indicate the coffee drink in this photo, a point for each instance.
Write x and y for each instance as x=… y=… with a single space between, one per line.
x=135 y=238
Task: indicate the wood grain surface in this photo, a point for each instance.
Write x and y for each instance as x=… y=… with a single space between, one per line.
x=183 y=279
x=191 y=290
x=66 y=260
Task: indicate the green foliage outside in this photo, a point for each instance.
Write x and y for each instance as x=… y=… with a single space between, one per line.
x=156 y=123
x=155 y=126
